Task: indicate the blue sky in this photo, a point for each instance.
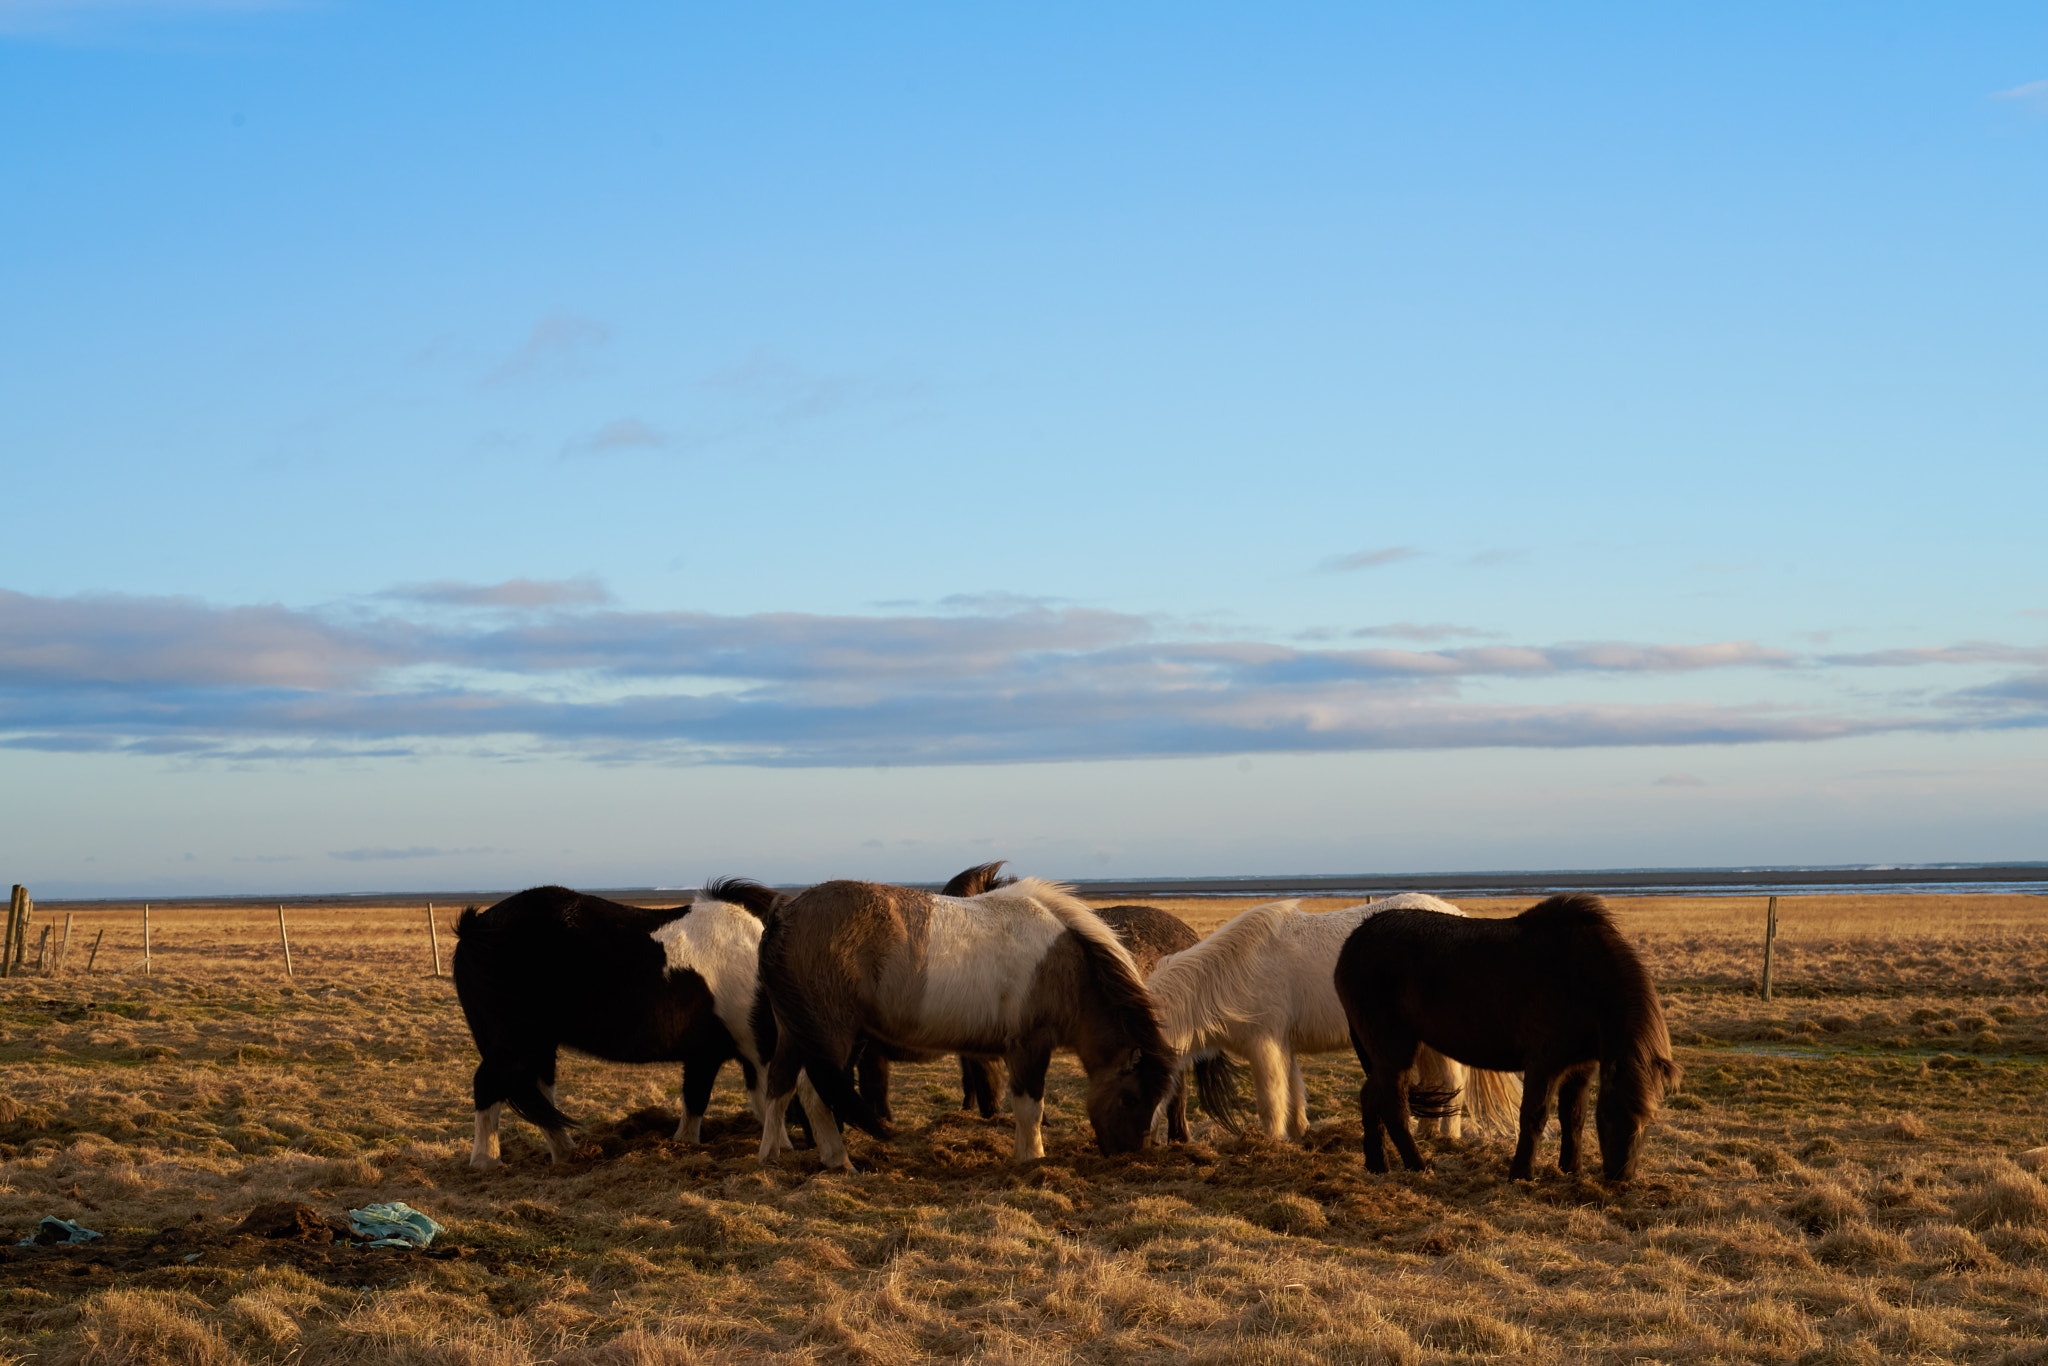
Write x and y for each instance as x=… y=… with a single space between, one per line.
x=462 y=447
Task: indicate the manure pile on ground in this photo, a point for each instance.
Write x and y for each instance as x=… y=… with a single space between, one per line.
x=1850 y=1191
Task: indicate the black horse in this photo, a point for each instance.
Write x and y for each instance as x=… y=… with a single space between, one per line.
x=549 y=968
x=1552 y=993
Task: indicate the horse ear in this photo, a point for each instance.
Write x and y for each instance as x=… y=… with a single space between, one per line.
x=1137 y=1056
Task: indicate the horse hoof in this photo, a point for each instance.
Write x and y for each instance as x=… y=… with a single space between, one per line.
x=484 y=1164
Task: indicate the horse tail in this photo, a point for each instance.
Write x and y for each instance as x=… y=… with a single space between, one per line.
x=743 y=892
x=1494 y=1099
x=1435 y=1102
x=1216 y=1087
x=523 y=1094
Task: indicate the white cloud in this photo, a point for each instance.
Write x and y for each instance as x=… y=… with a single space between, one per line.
x=991 y=678
x=559 y=345
x=2033 y=94
x=1368 y=559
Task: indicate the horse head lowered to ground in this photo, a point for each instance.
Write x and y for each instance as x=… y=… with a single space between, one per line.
x=1553 y=993
x=1017 y=971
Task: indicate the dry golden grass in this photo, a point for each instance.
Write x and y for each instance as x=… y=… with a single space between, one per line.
x=1851 y=1191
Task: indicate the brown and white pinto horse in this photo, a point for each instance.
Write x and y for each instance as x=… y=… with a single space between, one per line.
x=1016 y=972
x=1148 y=932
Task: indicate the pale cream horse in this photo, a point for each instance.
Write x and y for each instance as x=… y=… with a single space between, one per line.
x=1263 y=988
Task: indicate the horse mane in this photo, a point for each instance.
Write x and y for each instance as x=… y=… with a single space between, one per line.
x=1580 y=910
x=1646 y=1070
x=1412 y=901
x=742 y=892
x=978 y=879
x=1070 y=911
x=1114 y=970
x=1217 y=980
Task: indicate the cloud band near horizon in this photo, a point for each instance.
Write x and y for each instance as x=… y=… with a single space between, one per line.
x=554 y=666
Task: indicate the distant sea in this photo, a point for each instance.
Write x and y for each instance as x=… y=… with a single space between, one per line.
x=1754 y=881
x=1955 y=878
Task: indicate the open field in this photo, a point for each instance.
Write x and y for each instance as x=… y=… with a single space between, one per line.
x=1845 y=1177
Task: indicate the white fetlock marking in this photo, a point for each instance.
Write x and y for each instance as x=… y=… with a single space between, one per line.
x=559 y=1146
x=773 y=1129
x=691 y=1129
x=1030 y=1135
x=831 y=1141
x=1297 y=1100
x=484 y=1151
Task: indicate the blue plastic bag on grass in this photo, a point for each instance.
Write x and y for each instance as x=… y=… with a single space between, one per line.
x=395 y=1224
x=73 y=1233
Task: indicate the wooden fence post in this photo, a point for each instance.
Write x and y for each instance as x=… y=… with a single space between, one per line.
x=434 y=937
x=284 y=936
x=19 y=948
x=13 y=915
x=147 y=966
x=93 y=957
x=43 y=954
x=64 y=950
x=1770 y=941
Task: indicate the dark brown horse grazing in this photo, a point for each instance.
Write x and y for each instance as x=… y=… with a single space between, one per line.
x=1018 y=971
x=1552 y=993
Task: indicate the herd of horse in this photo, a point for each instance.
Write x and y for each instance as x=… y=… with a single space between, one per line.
x=816 y=994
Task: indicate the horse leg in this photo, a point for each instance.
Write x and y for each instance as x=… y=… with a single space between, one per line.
x=489 y=1094
x=1270 y=1084
x=1297 y=1100
x=559 y=1144
x=700 y=1074
x=1571 y=1116
x=978 y=1085
x=1536 y=1089
x=871 y=1079
x=1400 y=1124
x=831 y=1139
x=483 y=1153
x=778 y=1088
x=1383 y=1100
x=1177 y=1109
x=1027 y=1101
x=750 y=1075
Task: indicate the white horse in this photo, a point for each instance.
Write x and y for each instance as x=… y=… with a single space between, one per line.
x=1263 y=987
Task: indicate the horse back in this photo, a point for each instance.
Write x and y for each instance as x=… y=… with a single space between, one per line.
x=1555 y=985
x=550 y=966
x=1149 y=933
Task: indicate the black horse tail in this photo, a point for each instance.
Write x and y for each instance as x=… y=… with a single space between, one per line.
x=1216 y=1088
x=522 y=1092
x=1436 y=1103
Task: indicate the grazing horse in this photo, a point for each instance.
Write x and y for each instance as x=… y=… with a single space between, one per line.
x=550 y=968
x=1552 y=993
x=1017 y=971
x=1262 y=988
x=1149 y=933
